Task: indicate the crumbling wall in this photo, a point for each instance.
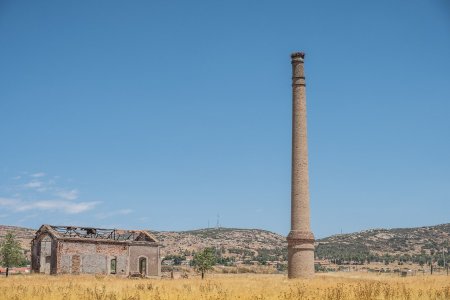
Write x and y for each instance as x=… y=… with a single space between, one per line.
x=91 y=257
x=151 y=253
x=35 y=258
x=45 y=254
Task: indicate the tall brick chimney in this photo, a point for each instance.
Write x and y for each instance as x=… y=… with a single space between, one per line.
x=300 y=238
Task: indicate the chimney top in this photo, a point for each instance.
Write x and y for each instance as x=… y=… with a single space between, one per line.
x=298 y=54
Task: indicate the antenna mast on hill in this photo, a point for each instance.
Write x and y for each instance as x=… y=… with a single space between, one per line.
x=218 y=222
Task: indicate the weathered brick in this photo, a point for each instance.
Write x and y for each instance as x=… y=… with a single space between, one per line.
x=56 y=253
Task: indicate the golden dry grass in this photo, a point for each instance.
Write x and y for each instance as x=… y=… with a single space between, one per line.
x=336 y=286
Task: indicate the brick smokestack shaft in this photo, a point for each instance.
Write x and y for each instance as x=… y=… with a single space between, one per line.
x=300 y=238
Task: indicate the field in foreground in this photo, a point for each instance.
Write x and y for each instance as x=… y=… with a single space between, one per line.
x=337 y=286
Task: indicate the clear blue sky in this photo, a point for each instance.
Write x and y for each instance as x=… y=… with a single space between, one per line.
x=163 y=114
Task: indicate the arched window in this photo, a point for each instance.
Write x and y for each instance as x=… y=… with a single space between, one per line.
x=143 y=265
x=113 y=265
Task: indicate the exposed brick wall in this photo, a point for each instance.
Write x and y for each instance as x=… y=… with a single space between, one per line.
x=91 y=258
x=76 y=264
x=54 y=255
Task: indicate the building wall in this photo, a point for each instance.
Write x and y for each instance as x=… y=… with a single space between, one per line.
x=151 y=253
x=91 y=258
x=45 y=256
x=51 y=255
x=35 y=258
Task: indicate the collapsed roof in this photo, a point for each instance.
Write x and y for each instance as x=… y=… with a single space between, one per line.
x=100 y=234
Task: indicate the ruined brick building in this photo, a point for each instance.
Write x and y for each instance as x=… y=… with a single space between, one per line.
x=81 y=250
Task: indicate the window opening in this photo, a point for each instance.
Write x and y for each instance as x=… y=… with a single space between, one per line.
x=113 y=265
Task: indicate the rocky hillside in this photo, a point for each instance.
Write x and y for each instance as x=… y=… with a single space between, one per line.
x=256 y=244
x=24 y=235
x=421 y=241
x=239 y=243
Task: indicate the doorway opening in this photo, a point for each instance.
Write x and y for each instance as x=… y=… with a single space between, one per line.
x=143 y=266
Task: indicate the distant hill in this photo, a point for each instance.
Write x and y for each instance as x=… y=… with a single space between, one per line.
x=239 y=243
x=257 y=244
x=24 y=235
x=398 y=242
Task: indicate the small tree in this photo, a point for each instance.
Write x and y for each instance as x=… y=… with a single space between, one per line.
x=204 y=261
x=10 y=252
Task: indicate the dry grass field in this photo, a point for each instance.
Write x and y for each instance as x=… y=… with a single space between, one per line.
x=335 y=286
